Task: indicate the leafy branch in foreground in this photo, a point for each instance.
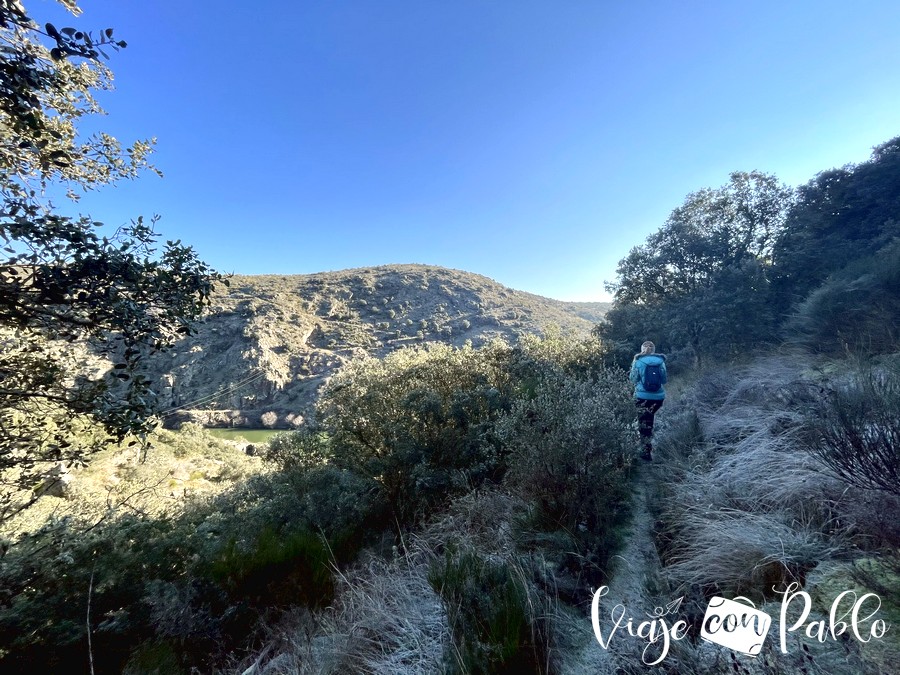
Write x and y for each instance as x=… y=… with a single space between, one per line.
x=69 y=292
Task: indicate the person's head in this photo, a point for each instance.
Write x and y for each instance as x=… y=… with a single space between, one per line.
x=647 y=348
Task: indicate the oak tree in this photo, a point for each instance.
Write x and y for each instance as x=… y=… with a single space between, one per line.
x=72 y=290
x=701 y=281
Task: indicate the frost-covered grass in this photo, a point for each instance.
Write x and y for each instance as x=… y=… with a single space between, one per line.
x=389 y=615
x=744 y=507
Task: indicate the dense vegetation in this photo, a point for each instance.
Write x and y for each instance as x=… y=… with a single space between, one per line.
x=753 y=263
x=397 y=440
x=782 y=449
x=779 y=474
x=445 y=507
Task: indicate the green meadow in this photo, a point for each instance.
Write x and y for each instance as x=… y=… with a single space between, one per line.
x=251 y=435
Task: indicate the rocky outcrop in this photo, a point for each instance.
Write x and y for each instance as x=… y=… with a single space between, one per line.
x=57 y=482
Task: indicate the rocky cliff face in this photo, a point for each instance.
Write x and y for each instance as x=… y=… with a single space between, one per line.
x=269 y=342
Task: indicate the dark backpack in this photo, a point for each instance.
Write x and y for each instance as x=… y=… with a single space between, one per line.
x=652 y=378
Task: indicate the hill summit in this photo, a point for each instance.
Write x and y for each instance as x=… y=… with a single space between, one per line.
x=269 y=342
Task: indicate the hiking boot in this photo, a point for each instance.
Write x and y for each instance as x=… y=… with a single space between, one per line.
x=647 y=454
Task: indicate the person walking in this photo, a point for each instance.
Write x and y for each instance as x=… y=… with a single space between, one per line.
x=648 y=373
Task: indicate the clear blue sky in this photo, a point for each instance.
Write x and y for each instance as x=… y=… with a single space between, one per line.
x=532 y=142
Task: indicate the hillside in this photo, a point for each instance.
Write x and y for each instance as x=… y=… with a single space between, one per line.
x=270 y=341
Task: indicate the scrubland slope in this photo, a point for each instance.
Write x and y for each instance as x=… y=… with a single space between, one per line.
x=269 y=342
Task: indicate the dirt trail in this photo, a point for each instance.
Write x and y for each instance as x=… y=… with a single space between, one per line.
x=636 y=567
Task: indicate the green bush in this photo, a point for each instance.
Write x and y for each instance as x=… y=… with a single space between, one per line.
x=419 y=420
x=278 y=568
x=492 y=621
x=297 y=449
x=557 y=350
x=423 y=421
x=349 y=509
x=199 y=582
x=396 y=438
x=155 y=658
x=569 y=445
x=49 y=575
x=856 y=310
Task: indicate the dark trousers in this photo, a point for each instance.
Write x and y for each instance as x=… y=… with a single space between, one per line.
x=646 y=412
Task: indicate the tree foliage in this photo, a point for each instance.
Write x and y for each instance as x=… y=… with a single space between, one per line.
x=701 y=280
x=841 y=216
x=751 y=262
x=712 y=231
x=68 y=286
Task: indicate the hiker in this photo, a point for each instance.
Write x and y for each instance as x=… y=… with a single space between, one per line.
x=648 y=372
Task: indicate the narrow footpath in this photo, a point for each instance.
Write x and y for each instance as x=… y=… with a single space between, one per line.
x=636 y=570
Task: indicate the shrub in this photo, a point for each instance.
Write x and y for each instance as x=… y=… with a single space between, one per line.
x=339 y=310
x=856 y=310
x=48 y=574
x=190 y=440
x=197 y=582
x=568 y=446
x=576 y=357
x=278 y=568
x=423 y=422
x=568 y=443
x=155 y=658
x=420 y=420
x=349 y=509
x=297 y=449
x=855 y=430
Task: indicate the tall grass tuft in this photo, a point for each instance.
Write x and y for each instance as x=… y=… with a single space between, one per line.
x=749 y=509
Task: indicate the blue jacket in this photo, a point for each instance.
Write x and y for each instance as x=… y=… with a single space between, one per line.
x=637 y=374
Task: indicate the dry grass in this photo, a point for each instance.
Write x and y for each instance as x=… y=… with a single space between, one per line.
x=744 y=552
x=748 y=509
x=756 y=510
x=386 y=617
x=180 y=468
